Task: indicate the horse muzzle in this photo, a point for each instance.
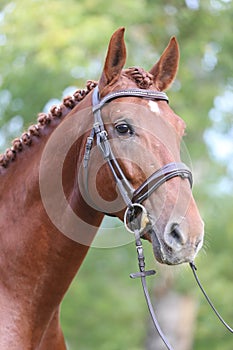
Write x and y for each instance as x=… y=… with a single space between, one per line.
x=173 y=248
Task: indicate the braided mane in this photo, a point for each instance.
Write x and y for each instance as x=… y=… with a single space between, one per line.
x=43 y=120
x=142 y=78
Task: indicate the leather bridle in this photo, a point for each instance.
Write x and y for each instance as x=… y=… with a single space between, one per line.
x=133 y=198
x=128 y=193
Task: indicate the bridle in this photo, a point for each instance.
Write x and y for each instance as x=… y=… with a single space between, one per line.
x=132 y=198
x=128 y=193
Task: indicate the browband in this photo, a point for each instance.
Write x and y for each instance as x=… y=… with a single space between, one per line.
x=152 y=95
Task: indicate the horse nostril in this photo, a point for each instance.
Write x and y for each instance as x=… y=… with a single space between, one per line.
x=176 y=235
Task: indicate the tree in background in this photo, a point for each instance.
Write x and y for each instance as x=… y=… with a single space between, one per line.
x=48 y=47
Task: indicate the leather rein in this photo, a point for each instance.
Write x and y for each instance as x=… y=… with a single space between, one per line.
x=133 y=198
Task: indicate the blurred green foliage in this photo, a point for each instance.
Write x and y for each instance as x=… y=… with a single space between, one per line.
x=47 y=46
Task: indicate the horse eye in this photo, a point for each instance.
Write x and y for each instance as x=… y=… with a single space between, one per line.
x=123 y=128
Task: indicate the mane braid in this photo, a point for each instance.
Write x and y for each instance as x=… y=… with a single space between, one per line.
x=43 y=120
x=142 y=78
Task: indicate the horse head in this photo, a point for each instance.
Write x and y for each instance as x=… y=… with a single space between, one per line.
x=144 y=135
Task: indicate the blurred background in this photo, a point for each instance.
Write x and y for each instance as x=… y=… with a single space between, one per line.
x=48 y=48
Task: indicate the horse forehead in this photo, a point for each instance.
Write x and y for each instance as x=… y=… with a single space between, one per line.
x=134 y=108
x=154 y=107
x=171 y=118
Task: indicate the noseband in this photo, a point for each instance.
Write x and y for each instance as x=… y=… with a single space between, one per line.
x=128 y=193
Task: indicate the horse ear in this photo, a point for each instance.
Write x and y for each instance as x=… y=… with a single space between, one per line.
x=164 y=71
x=115 y=59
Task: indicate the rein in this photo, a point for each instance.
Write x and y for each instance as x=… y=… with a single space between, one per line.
x=194 y=270
x=133 y=198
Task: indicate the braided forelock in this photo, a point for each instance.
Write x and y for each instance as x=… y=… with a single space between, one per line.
x=142 y=78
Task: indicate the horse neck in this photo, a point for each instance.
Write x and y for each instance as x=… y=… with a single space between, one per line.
x=37 y=260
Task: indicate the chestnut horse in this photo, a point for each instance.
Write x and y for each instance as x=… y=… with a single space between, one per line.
x=56 y=188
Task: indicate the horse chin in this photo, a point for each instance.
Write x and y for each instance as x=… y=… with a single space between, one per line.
x=157 y=247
